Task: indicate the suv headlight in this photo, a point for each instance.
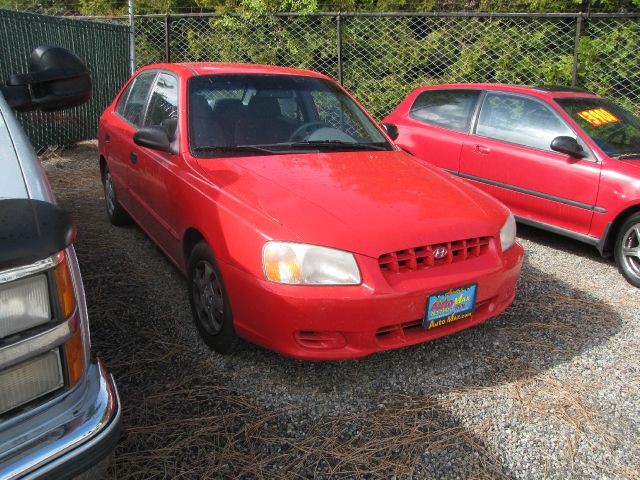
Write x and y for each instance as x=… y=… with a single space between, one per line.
x=24 y=304
x=508 y=233
x=53 y=357
x=302 y=264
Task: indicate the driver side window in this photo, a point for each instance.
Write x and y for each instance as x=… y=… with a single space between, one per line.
x=520 y=120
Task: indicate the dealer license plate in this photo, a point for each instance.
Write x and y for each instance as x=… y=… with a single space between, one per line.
x=449 y=306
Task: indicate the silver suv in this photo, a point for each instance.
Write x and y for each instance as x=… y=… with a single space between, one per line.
x=59 y=409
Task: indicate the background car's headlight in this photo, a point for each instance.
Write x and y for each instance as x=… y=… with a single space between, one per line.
x=301 y=264
x=508 y=233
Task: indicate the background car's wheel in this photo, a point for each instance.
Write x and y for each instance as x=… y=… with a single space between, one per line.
x=627 y=251
x=209 y=302
x=117 y=215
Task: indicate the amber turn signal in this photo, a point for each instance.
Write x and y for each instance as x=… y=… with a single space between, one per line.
x=64 y=287
x=74 y=355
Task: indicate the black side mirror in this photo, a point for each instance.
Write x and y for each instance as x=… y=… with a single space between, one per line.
x=153 y=137
x=57 y=79
x=32 y=230
x=391 y=129
x=568 y=145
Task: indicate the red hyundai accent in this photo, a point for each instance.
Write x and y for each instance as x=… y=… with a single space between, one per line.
x=298 y=223
x=562 y=159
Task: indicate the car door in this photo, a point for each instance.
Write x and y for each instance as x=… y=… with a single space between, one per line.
x=118 y=136
x=510 y=157
x=438 y=124
x=154 y=176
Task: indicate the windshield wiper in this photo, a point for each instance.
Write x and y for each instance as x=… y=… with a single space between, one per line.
x=627 y=155
x=234 y=149
x=335 y=144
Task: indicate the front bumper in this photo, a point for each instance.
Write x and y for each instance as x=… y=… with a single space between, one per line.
x=66 y=436
x=384 y=312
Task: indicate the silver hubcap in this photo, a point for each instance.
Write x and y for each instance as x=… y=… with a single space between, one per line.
x=631 y=250
x=109 y=193
x=207 y=297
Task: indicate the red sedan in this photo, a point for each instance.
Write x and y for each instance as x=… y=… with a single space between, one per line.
x=299 y=225
x=562 y=159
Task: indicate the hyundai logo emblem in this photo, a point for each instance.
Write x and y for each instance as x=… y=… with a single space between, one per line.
x=440 y=253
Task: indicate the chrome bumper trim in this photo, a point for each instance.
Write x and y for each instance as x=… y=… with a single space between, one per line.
x=29 y=347
x=62 y=430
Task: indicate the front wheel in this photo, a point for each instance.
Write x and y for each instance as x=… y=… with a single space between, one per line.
x=209 y=302
x=627 y=250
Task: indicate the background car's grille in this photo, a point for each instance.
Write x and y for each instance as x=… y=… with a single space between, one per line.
x=423 y=257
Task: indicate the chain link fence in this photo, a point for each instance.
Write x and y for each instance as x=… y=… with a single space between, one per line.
x=380 y=58
x=104 y=47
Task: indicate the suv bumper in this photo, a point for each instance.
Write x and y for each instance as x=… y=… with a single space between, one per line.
x=66 y=436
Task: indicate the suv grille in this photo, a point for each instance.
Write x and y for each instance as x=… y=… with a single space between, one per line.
x=423 y=257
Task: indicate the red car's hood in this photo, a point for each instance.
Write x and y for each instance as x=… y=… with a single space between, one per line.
x=363 y=202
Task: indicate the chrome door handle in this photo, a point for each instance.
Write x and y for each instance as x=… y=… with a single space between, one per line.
x=481 y=149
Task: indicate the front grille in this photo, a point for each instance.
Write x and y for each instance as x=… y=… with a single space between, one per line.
x=419 y=258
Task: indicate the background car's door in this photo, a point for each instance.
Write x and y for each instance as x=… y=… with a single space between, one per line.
x=119 y=131
x=509 y=156
x=154 y=177
x=438 y=124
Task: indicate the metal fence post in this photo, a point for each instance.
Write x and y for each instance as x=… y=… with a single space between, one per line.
x=576 y=49
x=339 y=34
x=167 y=38
x=132 y=39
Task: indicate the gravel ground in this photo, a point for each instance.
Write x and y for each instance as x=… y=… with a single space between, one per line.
x=549 y=389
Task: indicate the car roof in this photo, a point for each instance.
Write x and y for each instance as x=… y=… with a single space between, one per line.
x=212 y=68
x=552 y=91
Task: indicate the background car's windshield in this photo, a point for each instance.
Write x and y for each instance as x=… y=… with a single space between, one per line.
x=615 y=130
x=275 y=113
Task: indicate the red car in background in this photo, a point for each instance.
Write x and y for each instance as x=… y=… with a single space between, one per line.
x=561 y=159
x=299 y=225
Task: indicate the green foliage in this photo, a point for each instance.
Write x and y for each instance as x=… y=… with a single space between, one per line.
x=384 y=58
x=609 y=64
x=119 y=7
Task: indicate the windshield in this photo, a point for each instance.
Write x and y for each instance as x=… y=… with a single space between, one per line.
x=615 y=130
x=266 y=114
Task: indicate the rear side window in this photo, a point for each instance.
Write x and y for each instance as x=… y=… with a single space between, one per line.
x=520 y=120
x=163 y=104
x=136 y=96
x=450 y=109
x=123 y=99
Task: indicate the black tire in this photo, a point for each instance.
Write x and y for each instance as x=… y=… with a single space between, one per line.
x=210 y=305
x=116 y=214
x=627 y=249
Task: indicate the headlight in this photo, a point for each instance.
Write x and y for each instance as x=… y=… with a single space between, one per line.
x=508 y=233
x=301 y=264
x=42 y=299
x=24 y=304
x=29 y=380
